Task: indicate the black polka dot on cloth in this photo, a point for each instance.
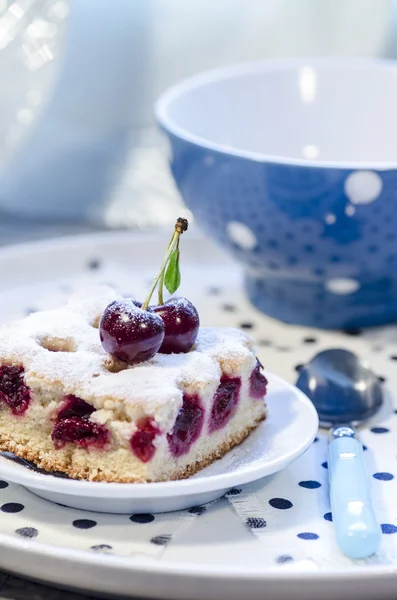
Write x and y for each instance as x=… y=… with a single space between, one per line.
x=328 y=516
x=197 y=510
x=94 y=264
x=213 y=291
x=315 y=440
x=309 y=340
x=3 y=484
x=353 y=331
x=255 y=523
x=393 y=357
x=27 y=532
x=324 y=465
x=388 y=528
x=234 y=492
x=310 y=484
x=381 y=378
x=365 y=448
x=246 y=325
x=101 y=547
x=229 y=307
x=379 y=430
x=161 y=540
x=383 y=476
x=144 y=518
x=284 y=558
x=84 y=523
x=264 y=343
x=12 y=507
x=307 y=535
x=298 y=368
x=280 y=503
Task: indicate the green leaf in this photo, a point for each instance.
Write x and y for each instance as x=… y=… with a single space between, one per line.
x=172 y=279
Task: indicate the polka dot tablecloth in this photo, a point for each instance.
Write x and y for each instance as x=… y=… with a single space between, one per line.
x=281 y=522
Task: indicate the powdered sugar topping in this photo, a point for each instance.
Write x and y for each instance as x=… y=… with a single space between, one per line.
x=62 y=347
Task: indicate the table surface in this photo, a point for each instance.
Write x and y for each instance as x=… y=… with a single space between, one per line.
x=14 y=588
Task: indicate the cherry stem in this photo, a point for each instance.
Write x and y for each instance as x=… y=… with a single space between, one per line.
x=180 y=226
x=161 y=280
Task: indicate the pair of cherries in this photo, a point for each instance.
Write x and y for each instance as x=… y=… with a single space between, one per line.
x=134 y=331
x=134 y=335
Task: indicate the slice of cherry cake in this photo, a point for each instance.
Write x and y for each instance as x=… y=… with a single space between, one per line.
x=68 y=406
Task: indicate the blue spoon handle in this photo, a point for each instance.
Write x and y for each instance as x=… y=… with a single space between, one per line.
x=357 y=532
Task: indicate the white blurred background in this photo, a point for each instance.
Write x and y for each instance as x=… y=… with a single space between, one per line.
x=79 y=147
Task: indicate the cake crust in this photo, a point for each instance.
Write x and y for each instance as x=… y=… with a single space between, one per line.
x=54 y=464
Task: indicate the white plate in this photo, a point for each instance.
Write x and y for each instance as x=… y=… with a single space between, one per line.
x=227 y=551
x=288 y=431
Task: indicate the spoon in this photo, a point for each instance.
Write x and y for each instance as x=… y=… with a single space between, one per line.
x=346 y=393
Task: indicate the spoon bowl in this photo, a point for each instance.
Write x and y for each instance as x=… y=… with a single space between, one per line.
x=342 y=387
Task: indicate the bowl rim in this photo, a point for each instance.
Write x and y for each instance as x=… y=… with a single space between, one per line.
x=165 y=100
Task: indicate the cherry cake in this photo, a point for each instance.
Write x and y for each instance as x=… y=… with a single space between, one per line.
x=67 y=405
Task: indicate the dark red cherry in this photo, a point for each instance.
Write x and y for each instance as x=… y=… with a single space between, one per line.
x=225 y=402
x=181 y=321
x=13 y=390
x=80 y=431
x=72 y=406
x=258 y=382
x=188 y=425
x=142 y=440
x=130 y=333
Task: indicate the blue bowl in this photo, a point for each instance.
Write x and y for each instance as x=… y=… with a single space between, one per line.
x=292 y=167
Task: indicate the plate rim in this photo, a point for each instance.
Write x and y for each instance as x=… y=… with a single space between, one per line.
x=149 y=565
x=80 y=488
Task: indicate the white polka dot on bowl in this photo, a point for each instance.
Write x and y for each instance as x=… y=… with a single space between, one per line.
x=342 y=285
x=363 y=187
x=241 y=235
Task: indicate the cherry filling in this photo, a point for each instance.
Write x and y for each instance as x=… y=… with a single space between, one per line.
x=73 y=425
x=188 y=425
x=81 y=432
x=74 y=407
x=142 y=440
x=13 y=390
x=225 y=402
x=258 y=382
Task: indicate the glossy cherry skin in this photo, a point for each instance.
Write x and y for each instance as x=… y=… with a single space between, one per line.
x=130 y=333
x=181 y=321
